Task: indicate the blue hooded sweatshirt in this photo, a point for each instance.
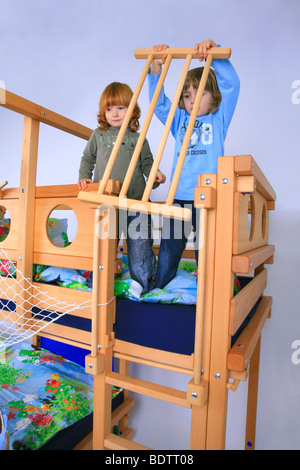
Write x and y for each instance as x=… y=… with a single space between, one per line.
x=207 y=141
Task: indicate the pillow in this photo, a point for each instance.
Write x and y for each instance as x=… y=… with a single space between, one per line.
x=65 y=277
x=57 y=231
x=7 y=268
x=4 y=228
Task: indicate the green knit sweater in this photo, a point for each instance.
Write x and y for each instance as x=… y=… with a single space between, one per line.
x=97 y=153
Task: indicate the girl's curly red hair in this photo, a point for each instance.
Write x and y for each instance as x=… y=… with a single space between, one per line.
x=117 y=94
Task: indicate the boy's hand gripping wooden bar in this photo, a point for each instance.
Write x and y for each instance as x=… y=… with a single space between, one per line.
x=182 y=52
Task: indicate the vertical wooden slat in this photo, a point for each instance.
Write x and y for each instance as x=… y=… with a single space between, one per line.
x=252 y=398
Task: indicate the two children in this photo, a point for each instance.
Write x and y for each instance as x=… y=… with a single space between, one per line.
x=207 y=144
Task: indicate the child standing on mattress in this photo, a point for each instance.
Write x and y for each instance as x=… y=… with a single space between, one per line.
x=113 y=105
x=207 y=143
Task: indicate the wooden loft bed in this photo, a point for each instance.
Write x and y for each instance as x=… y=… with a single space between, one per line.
x=226 y=201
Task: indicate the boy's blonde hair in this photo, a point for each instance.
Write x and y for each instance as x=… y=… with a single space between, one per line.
x=117 y=94
x=193 y=78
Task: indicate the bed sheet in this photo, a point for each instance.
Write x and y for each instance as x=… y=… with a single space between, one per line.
x=182 y=289
x=41 y=393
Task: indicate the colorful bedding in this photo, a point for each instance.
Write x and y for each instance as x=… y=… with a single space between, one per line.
x=40 y=394
x=181 y=290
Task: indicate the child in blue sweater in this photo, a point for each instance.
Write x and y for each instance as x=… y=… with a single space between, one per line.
x=207 y=143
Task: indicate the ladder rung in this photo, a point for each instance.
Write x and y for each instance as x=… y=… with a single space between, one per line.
x=121 y=410
x=124 y=203
x=149 y=389
x=114 y=442
x=182 y=52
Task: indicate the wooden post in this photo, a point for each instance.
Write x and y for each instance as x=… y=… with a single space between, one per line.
x=26 y=211
x=252 y=398
x=223 y=291
x=99 y=363
x=199 y=413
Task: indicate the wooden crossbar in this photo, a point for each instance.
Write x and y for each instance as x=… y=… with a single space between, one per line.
x=182 y=52
x=39 y=113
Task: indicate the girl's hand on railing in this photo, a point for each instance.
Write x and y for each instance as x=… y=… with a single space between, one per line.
x=157 y=63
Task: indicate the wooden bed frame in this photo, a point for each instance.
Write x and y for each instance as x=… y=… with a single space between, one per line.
x=228 y=202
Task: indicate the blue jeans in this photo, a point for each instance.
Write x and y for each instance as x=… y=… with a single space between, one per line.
x=173 y=241
x=137 y=229
x=141 y=258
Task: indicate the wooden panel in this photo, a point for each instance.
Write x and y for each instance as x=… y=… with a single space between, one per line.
x=7 y=287
x=243 y=302
x=65 y=332
x=243 y=348
x=83 y=243
x=66 y=296
x=251 y=222
x=72 y=262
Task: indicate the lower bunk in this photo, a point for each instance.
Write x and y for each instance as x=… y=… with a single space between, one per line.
x=162 y=321
x=46 y=400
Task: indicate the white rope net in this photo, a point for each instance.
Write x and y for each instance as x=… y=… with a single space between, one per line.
x=25 y=309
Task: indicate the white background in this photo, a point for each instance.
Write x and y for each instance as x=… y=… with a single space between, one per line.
x=62 y=53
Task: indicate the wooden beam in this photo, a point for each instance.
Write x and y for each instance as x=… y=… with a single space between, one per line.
x=241 y=352
x=34 y=111
x=246 y=165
